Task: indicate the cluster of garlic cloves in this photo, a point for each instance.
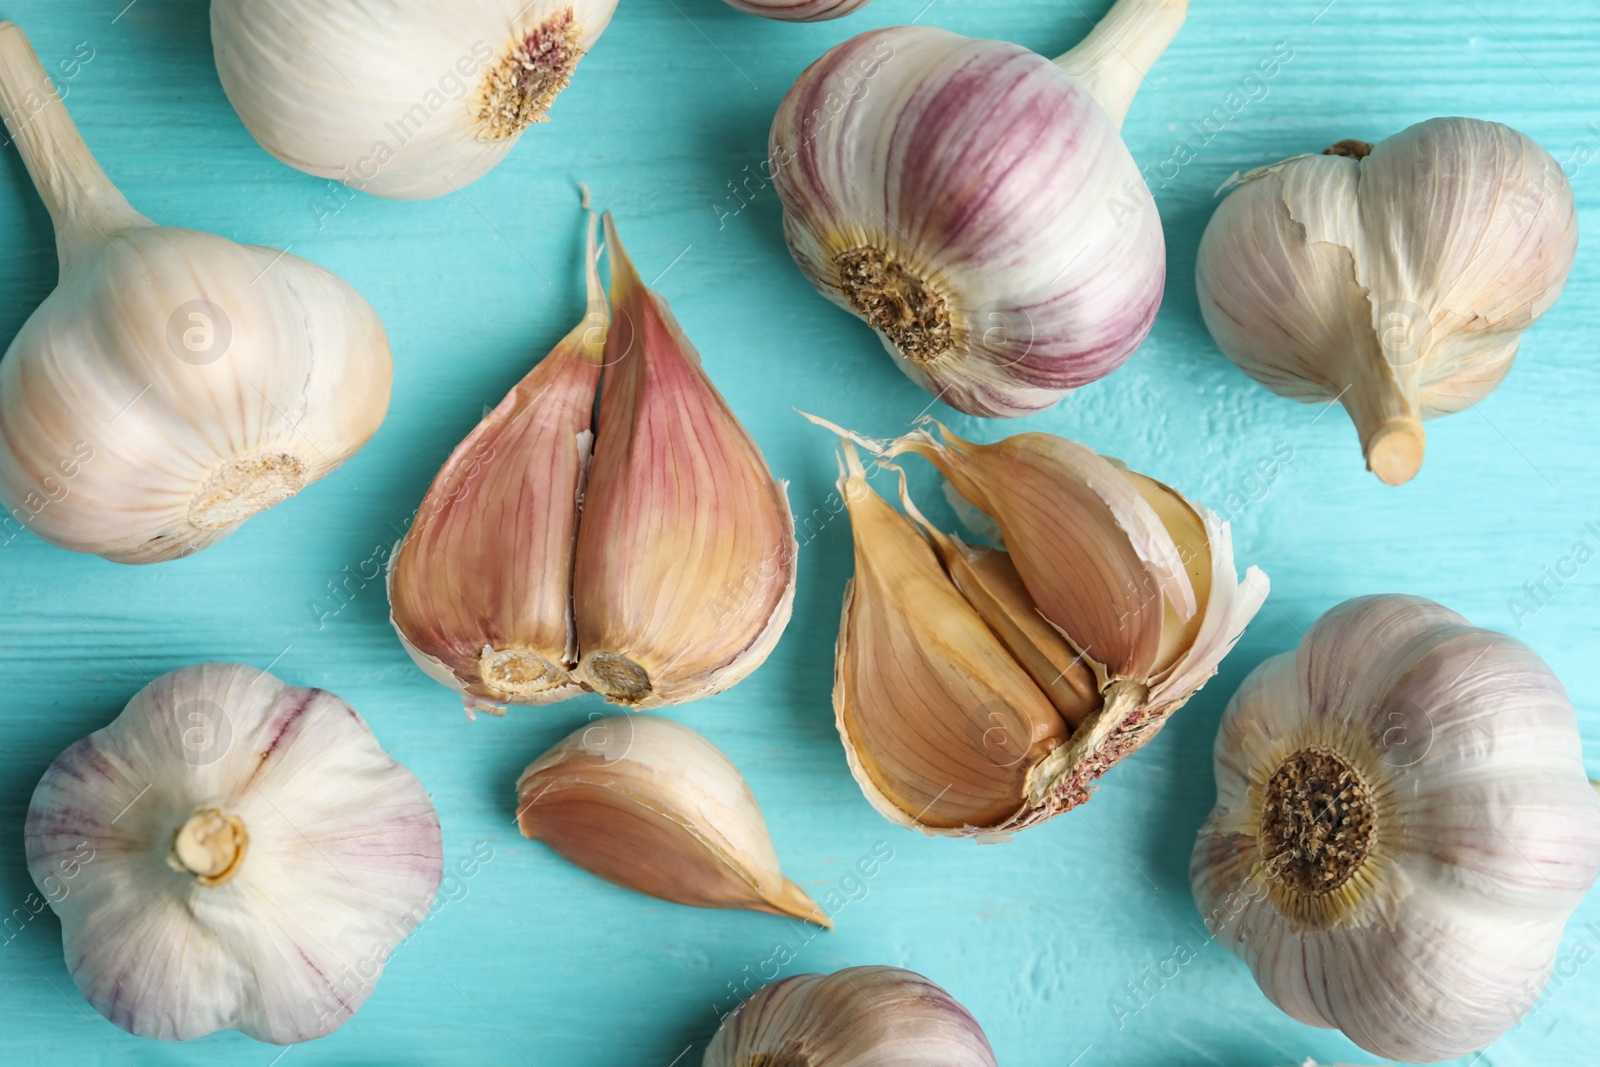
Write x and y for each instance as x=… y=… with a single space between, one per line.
x=979 y=691
x=175 y=383
x=1397 y=279
x=644 y=552
x=653 y=806
x=242 y=855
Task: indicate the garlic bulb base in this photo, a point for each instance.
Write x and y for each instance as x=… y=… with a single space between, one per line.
x=210 y=846
x=615 y=677
x=1394 y=451
x=910 y=313
x=519 y=92
x=1350 y=148
x=1319 y=822
x=247 y=485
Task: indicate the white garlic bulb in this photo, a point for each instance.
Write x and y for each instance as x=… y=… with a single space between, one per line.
x=857 y=1017
x=1397 y=279
x=407 y=99
x=975 y=204
x=247 y=857
x=174 y=383
x=1403 y=826
x=799 y=10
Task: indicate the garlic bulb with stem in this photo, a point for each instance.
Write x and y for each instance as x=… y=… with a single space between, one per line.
x=403 y=100
x=799 y=10
x=653 y=806
x=1403 y=826
x=175 y=383
x=1397 y=279
x=961 y=196
x=249 y=857
x=978 y=692
x=857 y=1017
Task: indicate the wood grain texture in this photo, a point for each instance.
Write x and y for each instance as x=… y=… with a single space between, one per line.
x=535 y=962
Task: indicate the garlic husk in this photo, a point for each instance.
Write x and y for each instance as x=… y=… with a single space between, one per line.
x=1423 y=918
x=174 y=383
x=1397 y=279
x=857 y=1017
x=480 y=588
x=653 y=806
x=961 y=196
x=253 y=857
x=799 y=10
x=403 y=100
x=685 y=569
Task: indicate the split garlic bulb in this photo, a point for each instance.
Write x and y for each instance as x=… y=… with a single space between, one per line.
x=1403 y=826
x=175 y=383
x=1397 y=279
x=653 y=806
x=857 y=1017
x=962 y=196
x=407 y=99
x=661 y=572
x=979 y=691
x=249 y=857
x=799 y=10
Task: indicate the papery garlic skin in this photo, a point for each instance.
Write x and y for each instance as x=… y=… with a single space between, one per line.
x=974 y=203
x=799 y=10
x=1423 y=915
x=1397 y=278
x=653 y=806
x=247 y=857
x=175 y=383
x=407 y=99
x=857 y=1017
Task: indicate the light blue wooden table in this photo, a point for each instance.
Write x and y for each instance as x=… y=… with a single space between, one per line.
x=535 y=962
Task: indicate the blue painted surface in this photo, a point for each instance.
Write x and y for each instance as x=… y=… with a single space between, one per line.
x=533 y=961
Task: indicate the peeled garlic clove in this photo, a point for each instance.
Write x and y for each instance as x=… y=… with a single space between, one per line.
x=175 y=383
x=1397 y=278
x=686 y=553
x=241 y=854
x=974 y=203
x=656 y=808
x=481 y=586
x=941 y=726
x=799 y=10
x=857 y=1017
x=408 y=101
x=1403 y=827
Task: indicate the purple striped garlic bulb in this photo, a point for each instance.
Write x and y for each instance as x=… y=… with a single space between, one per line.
x=799 y=10
x=973 y=202
x=232 y=852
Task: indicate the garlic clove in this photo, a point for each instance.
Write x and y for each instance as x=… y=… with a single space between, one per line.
x=940 y=725
x=686 y=553
x=480 y=587
x=654 y=807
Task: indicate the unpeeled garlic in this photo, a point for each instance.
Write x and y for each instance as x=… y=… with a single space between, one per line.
x=1397 y=279
x=175 y=383
x=244 y=856
x=653 y=806
x=799 y=10
x=857 y=1017
x=978 y=692
x=1403 y=826
x=660 y=572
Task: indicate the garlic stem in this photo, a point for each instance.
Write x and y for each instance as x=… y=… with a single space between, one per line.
x=210 y=846
x=1384 y=408
x=83 y=203
x=1113 y=60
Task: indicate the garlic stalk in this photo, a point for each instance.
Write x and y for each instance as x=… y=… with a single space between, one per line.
x=403 y=100
x=654 y=807
x=1403 y=826
x=978 y=691
x=1397 y=279
x=175 y=383
x=857 y=1017
x=973 y=202
x=799 y=10
x=249 y=857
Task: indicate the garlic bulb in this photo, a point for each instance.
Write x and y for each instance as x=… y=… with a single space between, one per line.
x=1403 y=826
x=174 y=383
x=663 y=574
x=253 y=857
x=981 y=691
x=407 y=100
x=656 y=808
x=975 y=204
x=1396 y=279
x=799 y=10
x=857 y=1017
